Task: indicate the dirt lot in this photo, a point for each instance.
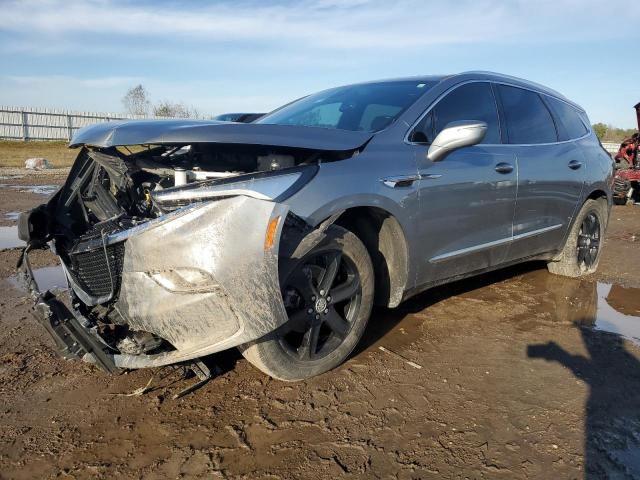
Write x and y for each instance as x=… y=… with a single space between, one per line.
x=519 y=379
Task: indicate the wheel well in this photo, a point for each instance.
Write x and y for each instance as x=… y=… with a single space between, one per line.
x=596 y=194
x=384 y=239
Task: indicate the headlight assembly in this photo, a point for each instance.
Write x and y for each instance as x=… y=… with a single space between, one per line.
x=271 y=186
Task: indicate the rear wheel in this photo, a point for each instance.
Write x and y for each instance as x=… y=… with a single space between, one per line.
x=581 y=253
x=328 y=296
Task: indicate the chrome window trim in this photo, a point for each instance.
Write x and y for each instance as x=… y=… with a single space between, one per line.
x=495 y=243
x=495 y=82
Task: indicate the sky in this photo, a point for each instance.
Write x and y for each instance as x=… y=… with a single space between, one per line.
x=250 y=55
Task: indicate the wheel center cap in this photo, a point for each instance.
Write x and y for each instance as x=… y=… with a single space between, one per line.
x=321 y=305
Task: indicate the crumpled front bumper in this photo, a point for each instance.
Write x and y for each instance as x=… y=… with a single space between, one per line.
x=203 y=278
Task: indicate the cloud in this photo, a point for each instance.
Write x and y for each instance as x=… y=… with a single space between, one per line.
x=324 y=24
x=256 y=54
x=48 y=80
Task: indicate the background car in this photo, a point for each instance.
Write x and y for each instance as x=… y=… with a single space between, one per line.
x=238 y=117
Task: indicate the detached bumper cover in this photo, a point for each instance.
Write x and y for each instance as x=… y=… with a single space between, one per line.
x=65 y=326
x=202 y=279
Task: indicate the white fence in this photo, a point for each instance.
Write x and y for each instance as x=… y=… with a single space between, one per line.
x=47 y=124
x=611 y=147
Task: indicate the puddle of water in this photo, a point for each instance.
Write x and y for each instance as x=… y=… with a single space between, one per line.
x=46 y=190
x=47 y=278
x=602 y=306
x=12 y=216
x=38 y=189
x=9 y=238
x=618 y=311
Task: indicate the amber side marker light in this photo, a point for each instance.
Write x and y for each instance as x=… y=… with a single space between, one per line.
x=270 y=236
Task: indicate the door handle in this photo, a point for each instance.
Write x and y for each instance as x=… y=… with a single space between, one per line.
x=407 y=180
x=400 y=181
x=575 y=164
x=504 y=168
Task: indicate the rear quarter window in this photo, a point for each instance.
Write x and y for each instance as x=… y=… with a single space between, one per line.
x=567 y=118
x=527 y=118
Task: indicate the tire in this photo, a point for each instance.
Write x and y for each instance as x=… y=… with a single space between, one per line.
x=583 y=248
x=325 y=342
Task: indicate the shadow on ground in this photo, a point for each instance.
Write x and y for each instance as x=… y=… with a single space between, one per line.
x=612 y=411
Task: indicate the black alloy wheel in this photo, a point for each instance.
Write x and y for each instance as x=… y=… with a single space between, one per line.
x=327 y=293
x=588 y=241
x=322 y=297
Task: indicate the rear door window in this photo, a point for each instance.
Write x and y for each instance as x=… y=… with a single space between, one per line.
x=473 y=101
x=567 y=119
x=527 y=118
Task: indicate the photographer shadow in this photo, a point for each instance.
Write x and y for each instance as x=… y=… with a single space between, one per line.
x=612 y=410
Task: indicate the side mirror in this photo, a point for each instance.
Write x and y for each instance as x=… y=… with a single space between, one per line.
x=463 y=133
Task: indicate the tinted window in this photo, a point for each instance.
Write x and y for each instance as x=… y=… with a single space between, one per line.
x=567 y=119
x=368 y=107
x=423 y=133
x=473 y=101
x=528 y=119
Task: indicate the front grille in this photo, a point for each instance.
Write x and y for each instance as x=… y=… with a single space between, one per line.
x=98 y=275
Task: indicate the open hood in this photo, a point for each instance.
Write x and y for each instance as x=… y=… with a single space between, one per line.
x=154 y=132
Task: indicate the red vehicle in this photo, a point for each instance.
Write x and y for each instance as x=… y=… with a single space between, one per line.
x=627 y=179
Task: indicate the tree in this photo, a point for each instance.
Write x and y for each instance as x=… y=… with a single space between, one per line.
x=611 y=134
x=174 y=110
x=136 y=101
x=600 y=129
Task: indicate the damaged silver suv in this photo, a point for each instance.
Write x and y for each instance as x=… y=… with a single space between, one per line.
x=184 y=238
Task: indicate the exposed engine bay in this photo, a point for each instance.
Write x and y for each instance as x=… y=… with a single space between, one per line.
x=116 y=183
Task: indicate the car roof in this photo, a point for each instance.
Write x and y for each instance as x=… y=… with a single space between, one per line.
x=481 y=75
x=517 y=82
x=414 y=78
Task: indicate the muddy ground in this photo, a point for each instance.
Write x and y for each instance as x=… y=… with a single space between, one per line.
x=520 y=379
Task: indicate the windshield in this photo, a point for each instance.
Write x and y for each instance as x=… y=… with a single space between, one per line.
x=367 y=107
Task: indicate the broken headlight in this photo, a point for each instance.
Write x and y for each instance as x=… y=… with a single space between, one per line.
x=272 y=186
